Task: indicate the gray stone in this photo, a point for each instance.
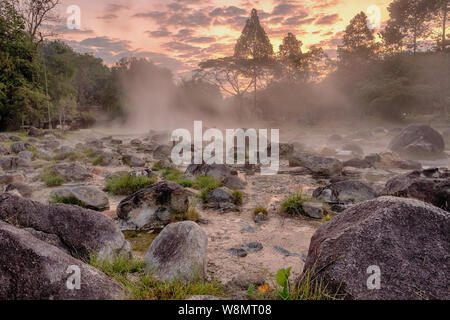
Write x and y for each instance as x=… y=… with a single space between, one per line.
x=71 y=172
x=89 y=197
x=133 y=161
x=407 y=239
x=179 y=252
x=418 y=142
x=221 y=199
x=153 y=207
x=32 y=269
x=19 y=146
x=84 y=232
x=345 y=192
x=313 y=210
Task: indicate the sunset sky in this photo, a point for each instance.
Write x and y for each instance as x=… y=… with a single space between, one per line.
x=178 y=34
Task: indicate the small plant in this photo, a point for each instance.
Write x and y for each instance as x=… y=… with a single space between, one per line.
x=127 y=184
x=237 y=197
x=282 y=278
x=260 y=209
x=293 y=204
x=158 y=166
x=51 y=179
x=206 y=185
x=67 y=200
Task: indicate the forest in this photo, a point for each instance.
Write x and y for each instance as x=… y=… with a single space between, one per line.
x=392 y=75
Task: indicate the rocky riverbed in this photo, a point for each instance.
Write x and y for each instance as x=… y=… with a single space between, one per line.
x=242 y=231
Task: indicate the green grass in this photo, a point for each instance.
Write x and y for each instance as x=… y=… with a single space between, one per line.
x=140 y=241
x=51 y=179
x=238 y=197
x=294 y=204
x=205 y=185
x=260 y=209
x=175 y=175
x=158 y=166
x=127 y=184
x=67 y=200
x=141 y=285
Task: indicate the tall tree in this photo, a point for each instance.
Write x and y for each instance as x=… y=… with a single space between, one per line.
x=411 y=19
x=254 y=44
x=358 y=44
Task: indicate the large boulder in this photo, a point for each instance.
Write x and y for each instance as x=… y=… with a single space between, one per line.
x=162 y=152
x=432 y=186
x=217 y=171
x=153 y=207
x=408 y=240
x=19 y=146
x=31 y=269
x=84 y=232
x=221 y=199
x=35 y=132
x=71 y=172
x=419 y=142
x=179 y=253
x=133 y=161
x=345 y=192
x=88 y=197
x=318 y=166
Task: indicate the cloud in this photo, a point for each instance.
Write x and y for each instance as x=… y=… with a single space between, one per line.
x=328 y=19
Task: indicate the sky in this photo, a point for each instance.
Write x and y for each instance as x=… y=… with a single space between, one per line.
x=178 y=34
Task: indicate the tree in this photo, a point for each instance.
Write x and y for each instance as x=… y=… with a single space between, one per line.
x=230 y=74
x=20 y=96
x=441 y=10
x=36 y=13
x=410 y=19
x=359 y=44
x=254 y=45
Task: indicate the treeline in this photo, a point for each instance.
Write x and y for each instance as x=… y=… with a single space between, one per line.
x=400 y=72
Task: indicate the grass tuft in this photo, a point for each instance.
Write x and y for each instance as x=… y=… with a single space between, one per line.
x=127 y=184
x=260 y=209
x=51 y=179
x=238 y=197
x=293 y=204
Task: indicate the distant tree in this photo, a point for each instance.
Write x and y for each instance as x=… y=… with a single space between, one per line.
x=359 y=44
x=36 y=13
x=410 y=19
x=230 y=74
x=441 y=10
x=254 y=45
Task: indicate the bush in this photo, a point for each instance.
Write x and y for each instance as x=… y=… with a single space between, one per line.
x=175 y=175
x=293 y=204
x=206 y=185
x=237 y=197
x=260 y=209
x=52 y=180
x=127 y=184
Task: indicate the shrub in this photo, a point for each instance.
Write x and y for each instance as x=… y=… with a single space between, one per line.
x=206 y=185
x=260 y=209
x=127 y=184
x=51 y=179
x=67 y=200
x=293 y=204
x=237 y=197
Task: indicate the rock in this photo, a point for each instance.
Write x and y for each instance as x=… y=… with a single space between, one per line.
x=116 y=142
x=179 y=252
x=44 y=155
x=244 y=281
x=89 y=197
x=252 y=246
x=49 y=238
x=23 y=189
x=95 y=143
x=355 y=149
x=313 y=210
x=285 y=252
x=234 y=183
x=153 y=207
x=358 y=163
x=389 y=160
x=345 y=192
x=219 y=172
x=221 y=199
x=321 y=166
x=133 y=161
x=408 y=240
x=260 y=217
x=105 y=158
x=432 y=186
x=19 y=146
x=9 y=163
x=84 y=232
x=418 y=142
x=239 y=252
x=51 y=144
x=32 y=269
x=3 y=149
x=162 y=152
x=14 y=137
x=35 y=132
x=136 y=142
x=26 y=155
x=71 y=172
